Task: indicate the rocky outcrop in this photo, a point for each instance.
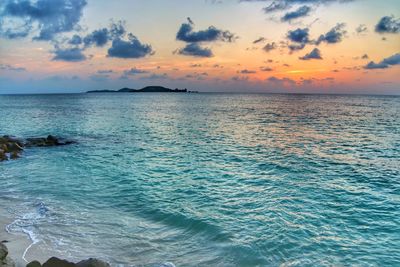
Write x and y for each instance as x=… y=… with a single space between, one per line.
x=5 y=260
x=92 y=263
x=11 y=147
x=34 y=264
x=56 y=262
x=49 y=141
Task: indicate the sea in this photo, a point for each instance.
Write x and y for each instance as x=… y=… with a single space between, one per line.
x=207 y=179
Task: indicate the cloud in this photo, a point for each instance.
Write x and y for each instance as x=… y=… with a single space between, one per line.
x=47 y=17
x=385 y=63
x=198 y=76
x=335 y=35
x=101 y=37
x=283 y=81
x=388 y=24
x=240 y=78
x=298 y=13
x=314 y=54
x=266 y=69
x=299 y=36
x=155 y=76
x=259 y=40
x=75 y=40
x=68 y=54
x=361 y=29
x=372 y=65
x=280 y=5
x=98 y=38
x=132 y=48
x=194 y=49
x=13 y=28
x=11 y=68
x=270 y=46
x=246 y=71
x=134 y=71
x=392 y=60
x=295 y=47
x=365 y=56
x=104 y=71
x=211 y=34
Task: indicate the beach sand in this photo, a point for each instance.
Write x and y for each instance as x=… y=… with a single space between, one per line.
x=17 y=243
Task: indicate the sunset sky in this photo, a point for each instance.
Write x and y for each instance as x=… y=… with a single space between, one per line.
x=300 y=46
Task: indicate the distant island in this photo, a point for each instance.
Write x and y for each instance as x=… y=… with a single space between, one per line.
x=147 y=89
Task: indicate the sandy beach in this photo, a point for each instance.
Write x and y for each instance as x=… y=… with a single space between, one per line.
x=19 y=245
x=16 y=243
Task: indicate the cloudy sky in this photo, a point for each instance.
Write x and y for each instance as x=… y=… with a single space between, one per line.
x=323 y=46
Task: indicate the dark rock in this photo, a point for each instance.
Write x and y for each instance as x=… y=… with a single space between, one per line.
x=39 y=141
x=34 y=264
x=92 y=263
x=49 y=141
x=3 y=155
x=8 y=139
x=3 y=251
x=14 y=155
x=56 y=262
x=5 y=261
x=11 y=148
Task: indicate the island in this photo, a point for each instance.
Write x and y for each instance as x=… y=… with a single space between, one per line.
x=147 y=89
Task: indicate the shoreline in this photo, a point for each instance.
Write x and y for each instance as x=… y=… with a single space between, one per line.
x=23 y=250
x=18 y=244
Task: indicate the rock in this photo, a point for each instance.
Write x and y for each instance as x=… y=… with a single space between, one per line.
x=8 y=139
x=34 y=264
x=40 y=141
x=11 y=147
x=14 y=155
x=56 y=262
x=3 y=251
x=5 y=261
x=92 y=263
x=3 y=155
x=49 y=141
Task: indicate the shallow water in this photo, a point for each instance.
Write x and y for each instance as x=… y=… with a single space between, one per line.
x=208 y=179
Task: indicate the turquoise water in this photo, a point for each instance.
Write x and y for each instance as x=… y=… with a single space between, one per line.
x=208 y=179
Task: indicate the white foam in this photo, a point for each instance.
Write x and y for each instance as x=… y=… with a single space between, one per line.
x=34 y=240
x=167 y=264
x=26 y=223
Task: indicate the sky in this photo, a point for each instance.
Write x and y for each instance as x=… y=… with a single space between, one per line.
x=263 y=46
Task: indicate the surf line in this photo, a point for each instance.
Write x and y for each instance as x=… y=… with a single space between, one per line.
x=32 y=239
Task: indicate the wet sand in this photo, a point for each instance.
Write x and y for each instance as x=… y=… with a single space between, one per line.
x=18 y=243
